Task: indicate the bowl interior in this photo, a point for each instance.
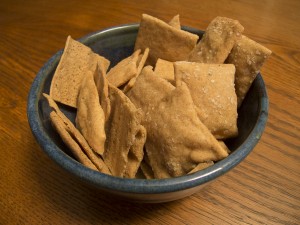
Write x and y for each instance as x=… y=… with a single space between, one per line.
x=115 y=44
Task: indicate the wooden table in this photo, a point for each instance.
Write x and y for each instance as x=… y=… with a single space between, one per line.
x=265 y=188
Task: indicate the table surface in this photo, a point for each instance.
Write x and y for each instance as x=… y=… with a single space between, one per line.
x=264 y=188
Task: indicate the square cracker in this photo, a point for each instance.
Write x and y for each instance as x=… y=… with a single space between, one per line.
x=248 y=57
x=90 y=118
x=177 y=141
x=125 y=135
x=217 y=41
x=75 y=61
x=213 y=93
x=163 y=40
x=74 y=140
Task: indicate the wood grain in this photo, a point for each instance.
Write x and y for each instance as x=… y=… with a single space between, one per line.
x=264 y=189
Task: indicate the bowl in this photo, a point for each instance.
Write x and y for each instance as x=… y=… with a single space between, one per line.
x=115 y=44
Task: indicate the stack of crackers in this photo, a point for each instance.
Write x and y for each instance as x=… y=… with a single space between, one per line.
x=165 y=110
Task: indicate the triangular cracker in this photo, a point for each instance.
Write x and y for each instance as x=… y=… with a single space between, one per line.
x=75 y=61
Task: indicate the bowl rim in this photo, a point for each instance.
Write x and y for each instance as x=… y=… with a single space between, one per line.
x=141 y=186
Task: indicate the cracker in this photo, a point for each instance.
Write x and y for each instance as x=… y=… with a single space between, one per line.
x=217 y=41
x=123 y=131
x=175 y=22
x=141 y=62
x=213 y=92
x=75 y=61
x=163 y=40
x=124 y=70
x=74 y=140
x=248 y=57
x=90 y=119
x=165 y=69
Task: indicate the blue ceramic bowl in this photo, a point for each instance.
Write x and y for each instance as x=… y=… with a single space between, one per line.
x=115 y=44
